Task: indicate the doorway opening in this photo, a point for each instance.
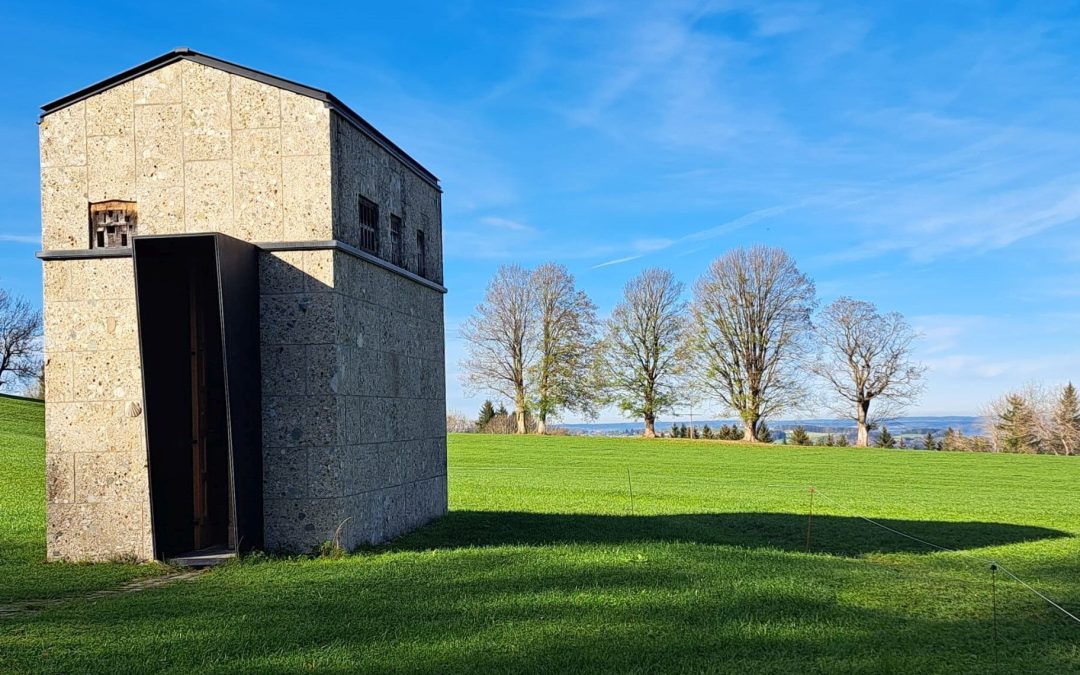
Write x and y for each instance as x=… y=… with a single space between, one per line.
x=190 y=427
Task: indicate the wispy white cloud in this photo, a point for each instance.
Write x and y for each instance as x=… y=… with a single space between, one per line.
x=21 y=239
x=506 y=224
x=647 y=246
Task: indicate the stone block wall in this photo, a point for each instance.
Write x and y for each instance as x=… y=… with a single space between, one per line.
x=199 y=149
x=353 y=401
x=362 y=168
x=96 y=477
x=352 y=353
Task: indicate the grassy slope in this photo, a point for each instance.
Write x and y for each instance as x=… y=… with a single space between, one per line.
x=540 y=567
x=23 y=572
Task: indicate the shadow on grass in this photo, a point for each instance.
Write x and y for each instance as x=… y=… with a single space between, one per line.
x=837 y=535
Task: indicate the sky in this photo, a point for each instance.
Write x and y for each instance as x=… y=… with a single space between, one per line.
x=924 y=156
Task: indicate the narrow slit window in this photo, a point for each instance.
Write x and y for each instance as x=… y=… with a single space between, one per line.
x=397 y=255
x=369 y=225
x=421 y=254
x=113 y=224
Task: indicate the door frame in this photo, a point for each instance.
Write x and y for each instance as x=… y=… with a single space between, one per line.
x=236 y=267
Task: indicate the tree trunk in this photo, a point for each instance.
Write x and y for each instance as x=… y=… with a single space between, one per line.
x=863 y=439
x=650 y=426
x=749 y=434
x=519 y=409
x=750 y=430
x=541 y=424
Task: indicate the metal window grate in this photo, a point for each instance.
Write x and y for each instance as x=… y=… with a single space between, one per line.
x=397 y=254
x=369 y=225
x=421 y=254
x=113 y=224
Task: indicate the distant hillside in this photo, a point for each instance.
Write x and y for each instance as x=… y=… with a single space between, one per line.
x=900 y=426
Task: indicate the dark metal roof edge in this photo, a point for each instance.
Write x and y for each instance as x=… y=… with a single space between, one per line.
x=333 y=102
x=382 y=141
x=317 y=245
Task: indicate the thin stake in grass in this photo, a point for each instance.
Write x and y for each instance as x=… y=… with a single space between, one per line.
x=630 y=484
x=810 y=519
x=993 y=601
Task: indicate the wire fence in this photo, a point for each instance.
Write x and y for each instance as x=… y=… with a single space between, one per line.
x=993 y=564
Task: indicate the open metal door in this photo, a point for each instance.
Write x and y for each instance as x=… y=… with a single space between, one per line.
x=197 y=301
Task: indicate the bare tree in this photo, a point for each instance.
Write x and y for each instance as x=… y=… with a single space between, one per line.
x=751 y=314
x=20 y=330
x=642 y=339
x=501 y=339
x=567 y=345
x=865 y=358
x=458 y=423
x=35 y=385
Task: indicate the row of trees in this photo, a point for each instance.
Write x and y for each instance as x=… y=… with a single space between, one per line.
x=745 y=340
x=1034 y=420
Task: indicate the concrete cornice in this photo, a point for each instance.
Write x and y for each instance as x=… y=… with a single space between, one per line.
x=314 y=245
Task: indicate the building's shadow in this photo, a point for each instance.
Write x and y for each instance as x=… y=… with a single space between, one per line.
x=836 y=535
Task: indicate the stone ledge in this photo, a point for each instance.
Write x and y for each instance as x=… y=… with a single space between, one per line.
x=316 y=245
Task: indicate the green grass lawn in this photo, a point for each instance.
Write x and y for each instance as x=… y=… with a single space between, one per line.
x=24 y=575
x=542 y=566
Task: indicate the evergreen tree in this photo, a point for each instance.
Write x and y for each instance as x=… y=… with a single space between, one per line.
x=1017 y=426
x=830 y=440
x=501 y=412
x=885 y=439
x=800 y=437
x=1065 y=421
x=674 y=430
x=841 y=441
x=706 y=432
x=683 y=431
x=928 y=441
x=487 y=411
x=763 y=434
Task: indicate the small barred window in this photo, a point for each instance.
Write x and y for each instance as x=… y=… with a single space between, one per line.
x=113 y=224
x=369 y=225
x=421 y=254
x=396 y=249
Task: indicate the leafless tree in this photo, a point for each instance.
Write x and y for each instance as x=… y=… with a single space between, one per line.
x=20 y=330
x=567 y=345
x=864 y=358
x=501 y=339
x=35 y=385
x=458 y=423
x=751 y=315
x=641 y=347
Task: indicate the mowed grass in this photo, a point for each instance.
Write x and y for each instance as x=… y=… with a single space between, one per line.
x=24 y=575
x=543 y=565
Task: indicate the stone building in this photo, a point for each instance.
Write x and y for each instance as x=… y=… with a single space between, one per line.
x=243 y=318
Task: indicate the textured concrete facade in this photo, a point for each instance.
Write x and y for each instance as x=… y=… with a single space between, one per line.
x=96 y=479
x=199 y=150
x=354 y=429
x=352 y=349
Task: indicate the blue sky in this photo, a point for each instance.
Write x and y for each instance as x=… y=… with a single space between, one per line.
x=923 y=156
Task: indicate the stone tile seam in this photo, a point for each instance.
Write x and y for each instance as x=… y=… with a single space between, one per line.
x=357 y=494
